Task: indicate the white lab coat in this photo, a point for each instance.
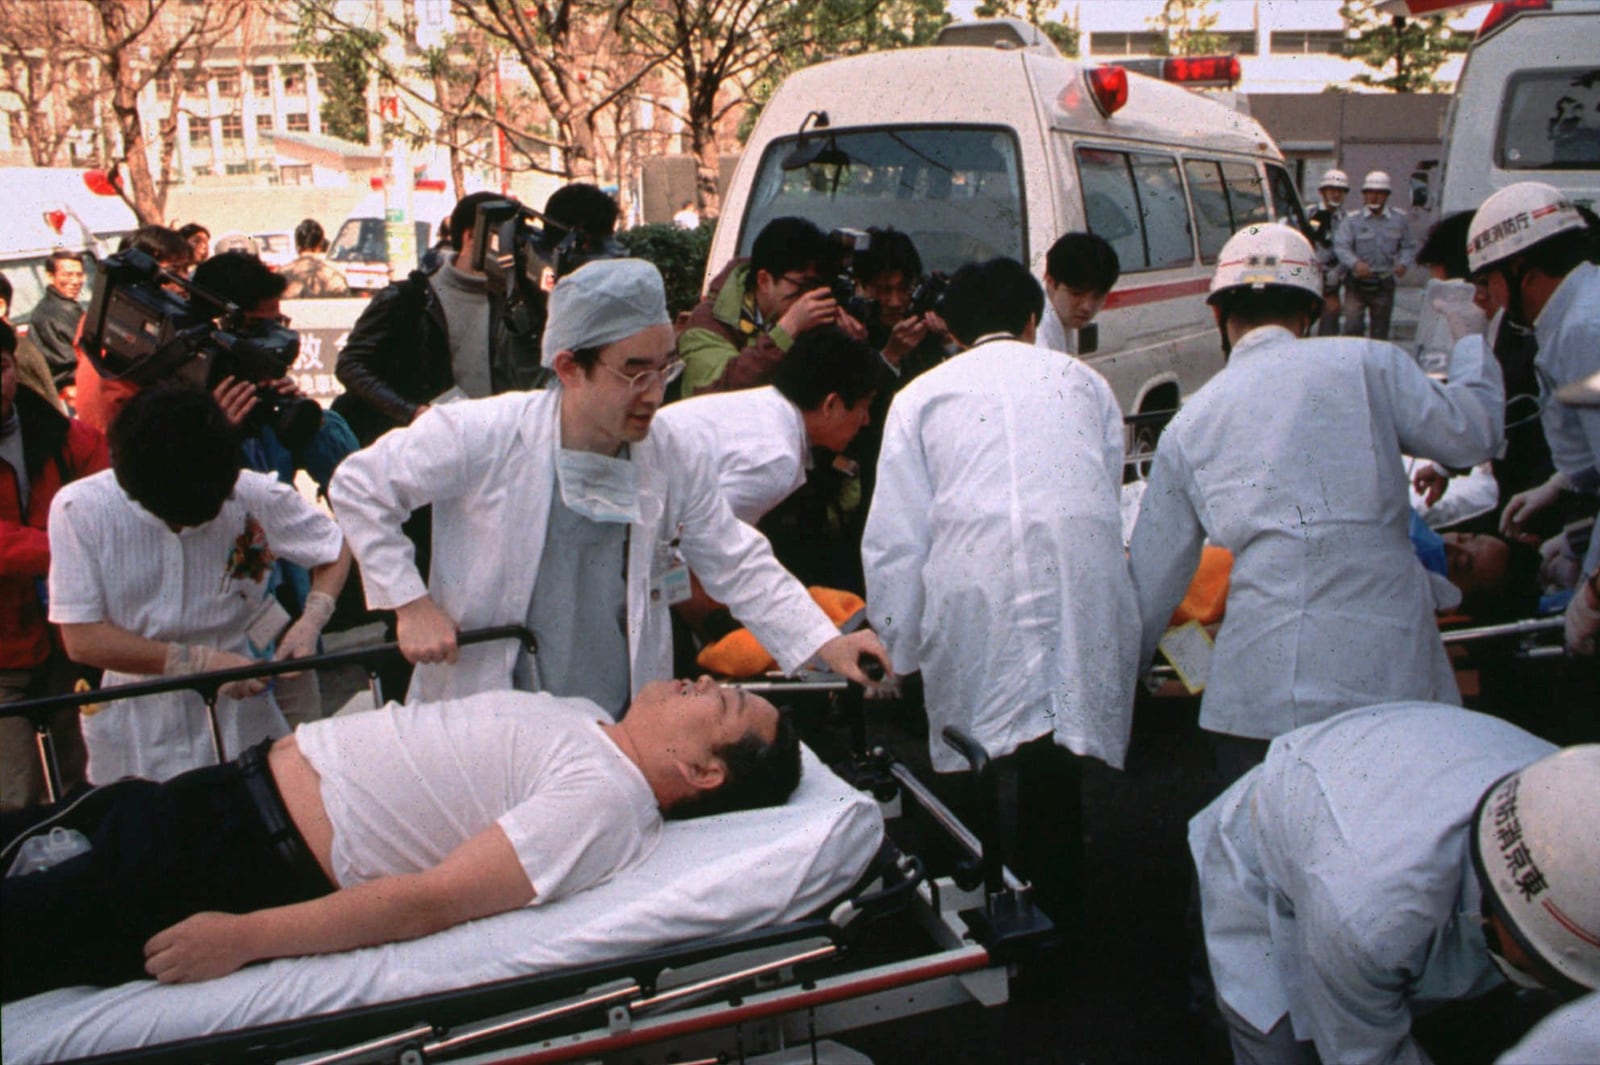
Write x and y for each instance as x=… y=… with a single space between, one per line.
x=1053 y=332
x=488 y=468
x=1569 y=350
x=756 y=439
x=1291 y=459
x=1569 y=1034
x=1336 y=882
x=993 y=552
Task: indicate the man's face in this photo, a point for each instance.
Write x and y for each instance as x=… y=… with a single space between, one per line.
x=606 y=409
x=775 y=295
x=1374 y=198
x=8 y=383
x=1076 y=307
x=892 y=290
x=268 y=310
x=1332 y=195
x=1476 y=562
x=692 y=720
x=200 y=245
x=66 y=277
x=1491 y=292
x=841 y=422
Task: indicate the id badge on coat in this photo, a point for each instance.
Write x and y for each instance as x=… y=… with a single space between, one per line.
x=669 y=573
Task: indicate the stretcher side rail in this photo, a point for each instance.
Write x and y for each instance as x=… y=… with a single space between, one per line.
x=39 y=712
x=384 y=1031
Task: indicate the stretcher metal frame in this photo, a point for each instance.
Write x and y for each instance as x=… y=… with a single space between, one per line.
x=722 y=999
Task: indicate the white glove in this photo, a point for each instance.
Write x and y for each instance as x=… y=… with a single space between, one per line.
x=1460 y=317
x=1583 y=617
x=1558 y=566
x=1524 y=505
x=184 y=659
x=300 y=639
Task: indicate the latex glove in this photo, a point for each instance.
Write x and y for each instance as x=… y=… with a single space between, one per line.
x=1524 y=505
x=301 y=638
x=1558 y=566
x=185 y=659
x=1430 y=482
x=1463 y=319
x=1583 y=617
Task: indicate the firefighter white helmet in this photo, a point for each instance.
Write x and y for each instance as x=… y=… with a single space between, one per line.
x=1376 y=181
x=1515 y=219
x=1335 y=179
x=1536 y=845
x=1265 y=255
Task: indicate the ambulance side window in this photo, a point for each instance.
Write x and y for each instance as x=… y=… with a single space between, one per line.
x=1227 y=197
x=1135 y=201
x=1285 y=200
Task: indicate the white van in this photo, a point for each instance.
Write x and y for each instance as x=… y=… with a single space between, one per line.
x=360 y=250
x=50 y=209
x=978 y=152
x=1527 y=105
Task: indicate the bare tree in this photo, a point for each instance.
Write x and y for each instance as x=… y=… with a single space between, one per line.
x=53 y=83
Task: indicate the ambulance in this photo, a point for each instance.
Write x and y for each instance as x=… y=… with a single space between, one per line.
x=52 y=209
x=1527 y=104
x=991 y=144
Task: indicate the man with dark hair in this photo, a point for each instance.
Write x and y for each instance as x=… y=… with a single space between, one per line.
x=994 y=564
x=1079 y=271
x=383 y=826
x=199 y=238
x=159 y=566
x=433 y=334
x=1291 y=458
x=41 y=450
x=311 y=276
x=54 y=321
x=888 y=272
x=756 y=307
x=562 y=510
x=760 y=440
x=582 y=209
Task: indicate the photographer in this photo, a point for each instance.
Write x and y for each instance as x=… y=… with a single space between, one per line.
x=911 y=338
x=756 y=307
x=431 y=333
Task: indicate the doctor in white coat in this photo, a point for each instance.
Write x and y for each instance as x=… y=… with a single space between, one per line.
x=561 y=509
x=1291 y=458
x=994 y=561
x=1392 y=858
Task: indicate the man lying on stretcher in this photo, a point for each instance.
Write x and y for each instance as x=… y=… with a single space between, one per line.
x=378 y=827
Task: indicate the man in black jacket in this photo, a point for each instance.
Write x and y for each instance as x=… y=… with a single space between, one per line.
x=431 y=333
x=53 y=323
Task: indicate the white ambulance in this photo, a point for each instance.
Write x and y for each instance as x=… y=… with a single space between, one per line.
x=991 y=144
x=53 y=209
x=1527 y=104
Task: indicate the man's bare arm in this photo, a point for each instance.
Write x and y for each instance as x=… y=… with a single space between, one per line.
x=479 y=878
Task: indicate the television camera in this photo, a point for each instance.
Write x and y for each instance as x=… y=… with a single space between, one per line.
x=146 y=325
x=514 y=243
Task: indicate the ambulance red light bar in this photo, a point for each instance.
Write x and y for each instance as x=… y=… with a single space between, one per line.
x=1108 y=88
x=1211 y=70
x=102 y=182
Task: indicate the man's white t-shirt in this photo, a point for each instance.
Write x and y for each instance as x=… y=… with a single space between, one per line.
x=406 y=785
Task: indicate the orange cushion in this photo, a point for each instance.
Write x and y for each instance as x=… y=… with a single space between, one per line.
x=1207 y=598
x=740 y=654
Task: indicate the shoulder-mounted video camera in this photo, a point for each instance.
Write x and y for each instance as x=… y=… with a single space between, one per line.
x=146 y=325
x=513 y=244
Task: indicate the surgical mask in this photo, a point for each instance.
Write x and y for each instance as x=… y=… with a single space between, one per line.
x=598 y=487
x=1512 y=973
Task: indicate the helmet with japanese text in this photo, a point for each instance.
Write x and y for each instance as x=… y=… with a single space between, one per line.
x=1376 y=181
x=1515 y=219
x=1536 y=847
x=1268 y=254
x=1335 y=179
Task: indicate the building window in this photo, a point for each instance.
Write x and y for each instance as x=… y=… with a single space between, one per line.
x=233 y=129
x=1126 y=43
x=199 y=134
x=1241 y=42
x=295 y=174
x=263 y=125
x=297 y=122
x=1307 y=42
x=261 y=81
x=228 y=84
x=294 y=80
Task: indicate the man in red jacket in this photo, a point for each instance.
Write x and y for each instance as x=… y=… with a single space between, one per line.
x=41 y=449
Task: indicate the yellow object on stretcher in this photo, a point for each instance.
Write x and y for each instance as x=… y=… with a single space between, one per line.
x=740 y=654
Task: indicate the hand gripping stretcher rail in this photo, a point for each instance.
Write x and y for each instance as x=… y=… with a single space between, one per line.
x=862 y=936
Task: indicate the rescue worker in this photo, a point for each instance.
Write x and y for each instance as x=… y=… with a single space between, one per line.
x=1291 y=458
x=1390 y=858
x=994 y=564
x=1529 y=247
x=1375 y=246
x=1324 y=223
x=560 y=509
x=1079 y=271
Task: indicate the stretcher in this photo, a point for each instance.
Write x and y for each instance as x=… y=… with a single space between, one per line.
x=742 y=934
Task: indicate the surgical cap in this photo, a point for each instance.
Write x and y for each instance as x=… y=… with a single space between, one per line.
x=601 y=303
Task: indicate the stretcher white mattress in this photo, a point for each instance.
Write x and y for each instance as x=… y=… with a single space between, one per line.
x=714 y=876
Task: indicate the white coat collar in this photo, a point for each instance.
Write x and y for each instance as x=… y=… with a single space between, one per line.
x=1561 y=301
x=1260 y=337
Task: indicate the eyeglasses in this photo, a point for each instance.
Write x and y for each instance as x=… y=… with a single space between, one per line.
x=805 y=282
x=645 y=380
